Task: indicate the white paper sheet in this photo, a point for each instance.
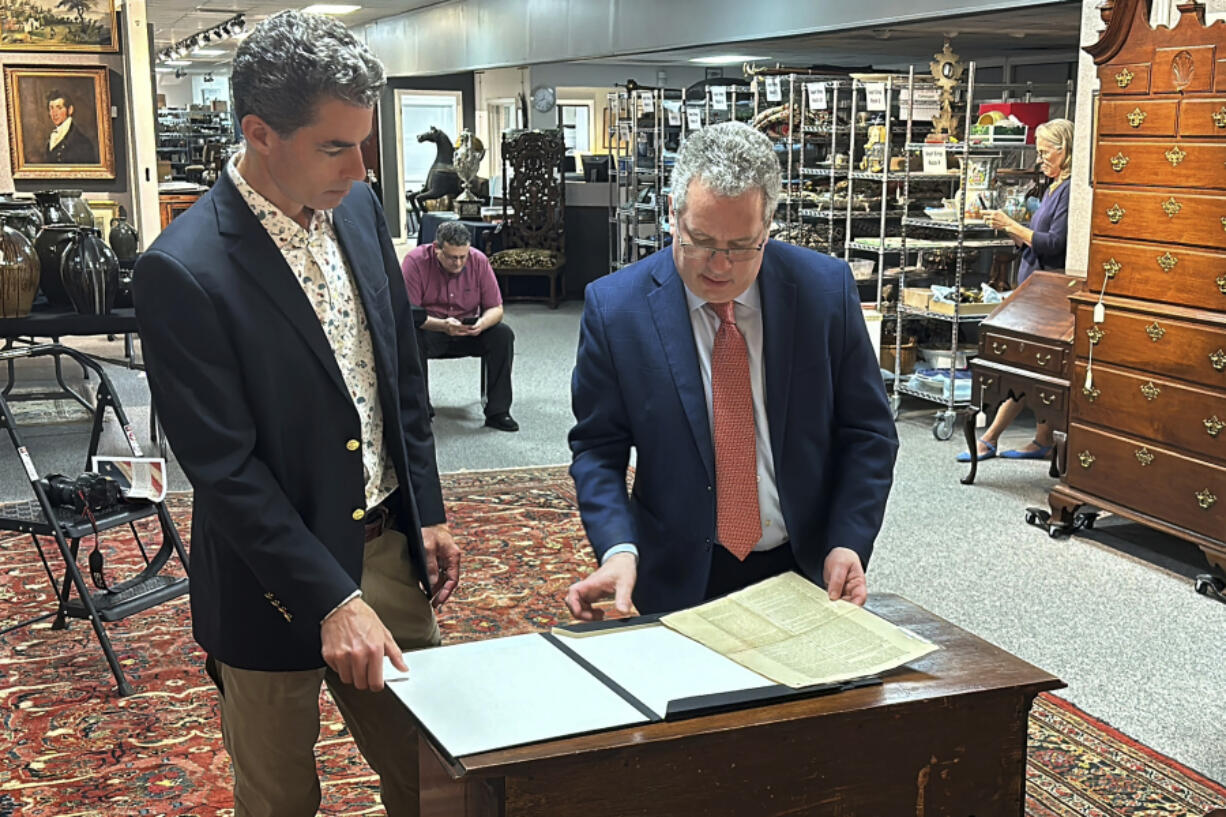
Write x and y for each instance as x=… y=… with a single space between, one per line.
x=485 y=695
x=658 y=665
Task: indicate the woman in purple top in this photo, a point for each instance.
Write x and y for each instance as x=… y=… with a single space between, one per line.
x=1043 y=244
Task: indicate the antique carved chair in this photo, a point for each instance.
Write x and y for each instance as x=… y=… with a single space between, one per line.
x=533 y=208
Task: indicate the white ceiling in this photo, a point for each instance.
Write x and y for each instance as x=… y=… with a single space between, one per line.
x=175 y=20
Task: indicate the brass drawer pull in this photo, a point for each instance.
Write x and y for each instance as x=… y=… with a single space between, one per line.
x=1219 y=117
x=986 y=382
x=1118 y=162
x=1111 y=267
x=1176 y=155
x=1124 y=78
x=1221 y=284
x=1218 y=360
x=1042 y=359
x=999 y=348
x=1214 y=426
x=1095 y=335
x=1171 y=207
x=1047 y=399
x=1086 y=458
x=1115 y=214
x=1167 y=262
x=1144 y=457
x=1150 y=391
x=1090 y=393
x=1137 y=117
x=1155 y=332
x=1205 y=499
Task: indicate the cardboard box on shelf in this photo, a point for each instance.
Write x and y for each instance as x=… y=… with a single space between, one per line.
x=966 y=309
x=161 y=101
x=917 y=297
x=220 y=106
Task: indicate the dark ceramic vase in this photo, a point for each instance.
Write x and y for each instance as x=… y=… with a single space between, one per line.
x=90 y=272
x=75 y=206
x=123 y=238
x=52 y=208
x=50 y=247
x=22 y=216
x=18 y=272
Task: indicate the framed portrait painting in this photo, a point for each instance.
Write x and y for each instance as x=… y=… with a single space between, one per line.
x=59 y=122
x=58 y=25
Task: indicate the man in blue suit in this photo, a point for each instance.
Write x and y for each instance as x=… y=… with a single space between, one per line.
x=283 y=361
x=741 y=373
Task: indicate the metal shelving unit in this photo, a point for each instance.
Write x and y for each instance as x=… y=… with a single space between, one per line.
x=964 y=235
x=639 y=167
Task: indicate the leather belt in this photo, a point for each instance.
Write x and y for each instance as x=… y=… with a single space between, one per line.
x=377 y=521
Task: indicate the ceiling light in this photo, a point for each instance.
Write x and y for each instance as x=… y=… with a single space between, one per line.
x=727 y=59
x=331 y=8
x=178 y=62
x=163 y=70
x=208 y=52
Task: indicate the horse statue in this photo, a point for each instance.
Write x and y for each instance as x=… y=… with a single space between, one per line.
x=441 y=180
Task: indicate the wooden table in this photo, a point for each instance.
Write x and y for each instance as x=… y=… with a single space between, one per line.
x=945 y=736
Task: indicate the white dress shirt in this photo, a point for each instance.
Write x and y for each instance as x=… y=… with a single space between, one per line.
x=705 y=323
x=59 y=133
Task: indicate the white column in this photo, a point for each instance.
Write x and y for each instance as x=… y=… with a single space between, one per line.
x=1078 y=253
x=142 y=123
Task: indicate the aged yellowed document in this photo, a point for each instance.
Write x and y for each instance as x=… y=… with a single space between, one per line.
x=788 y=630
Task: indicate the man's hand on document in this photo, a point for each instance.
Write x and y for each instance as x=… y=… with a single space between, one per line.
x=614 y=578
x=844 y=576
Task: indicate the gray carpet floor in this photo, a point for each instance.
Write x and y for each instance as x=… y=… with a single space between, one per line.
x=1135 y=644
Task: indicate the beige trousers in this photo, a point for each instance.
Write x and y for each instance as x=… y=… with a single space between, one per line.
x=270 y=720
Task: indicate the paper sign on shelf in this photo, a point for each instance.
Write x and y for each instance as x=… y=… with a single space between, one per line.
x=719 y=97
x=648 y=101
x=927 y=104
x=693 y=118
x=674 y=116
x=773 y=92
x=874 y=96
x=934 y=160
x=817 y=96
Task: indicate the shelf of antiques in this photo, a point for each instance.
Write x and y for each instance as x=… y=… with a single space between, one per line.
x=943 y=224
x=799 y=112
x=1147 y=414
x=644 y=133
x=187 y=138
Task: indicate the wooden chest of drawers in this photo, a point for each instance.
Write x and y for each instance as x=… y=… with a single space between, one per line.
x=1147 y=402
x=1026 y=353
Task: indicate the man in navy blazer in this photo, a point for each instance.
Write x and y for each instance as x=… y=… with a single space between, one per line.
x=283 y=362
x=648 y=353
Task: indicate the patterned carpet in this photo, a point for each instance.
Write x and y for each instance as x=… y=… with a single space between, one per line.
x=70 y=747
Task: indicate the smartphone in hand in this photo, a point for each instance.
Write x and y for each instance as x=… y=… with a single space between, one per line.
x=469 y=321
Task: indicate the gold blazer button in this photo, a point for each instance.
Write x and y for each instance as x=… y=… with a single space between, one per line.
x=353 y=445
x=359 y=515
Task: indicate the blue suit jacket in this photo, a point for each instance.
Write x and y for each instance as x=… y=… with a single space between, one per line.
x=259 y=416
x=637 y=383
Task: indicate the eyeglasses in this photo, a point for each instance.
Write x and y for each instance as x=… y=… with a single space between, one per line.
x=733 y=255
x=1043 y=154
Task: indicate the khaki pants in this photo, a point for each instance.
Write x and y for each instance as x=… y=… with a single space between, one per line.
x=270 y=720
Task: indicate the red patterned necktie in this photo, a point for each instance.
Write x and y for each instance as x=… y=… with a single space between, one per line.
x=739 y=522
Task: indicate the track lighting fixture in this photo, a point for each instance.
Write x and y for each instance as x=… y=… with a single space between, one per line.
x=230 y=28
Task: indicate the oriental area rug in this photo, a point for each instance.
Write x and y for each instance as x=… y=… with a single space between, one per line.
x=69 y=746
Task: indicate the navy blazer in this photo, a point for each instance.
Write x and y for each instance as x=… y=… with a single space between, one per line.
x=257 y=412
x=637 y=384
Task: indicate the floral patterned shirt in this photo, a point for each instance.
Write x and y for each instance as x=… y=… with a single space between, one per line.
x=315 y=257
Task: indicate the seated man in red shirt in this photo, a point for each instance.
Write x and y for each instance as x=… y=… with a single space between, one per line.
x=455 y=285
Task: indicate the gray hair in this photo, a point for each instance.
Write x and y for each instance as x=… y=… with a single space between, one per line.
x=1058 y=132
x=454 y=233
x=292 y=61
x=731 y=158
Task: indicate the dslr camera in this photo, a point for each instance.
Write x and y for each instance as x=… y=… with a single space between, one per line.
x=89 y=490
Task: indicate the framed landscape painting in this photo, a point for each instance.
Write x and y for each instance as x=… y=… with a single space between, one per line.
x=59 y=122
x=58 y=25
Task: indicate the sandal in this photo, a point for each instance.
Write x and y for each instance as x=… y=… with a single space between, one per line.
x=965 y=456
x=1040 y=453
